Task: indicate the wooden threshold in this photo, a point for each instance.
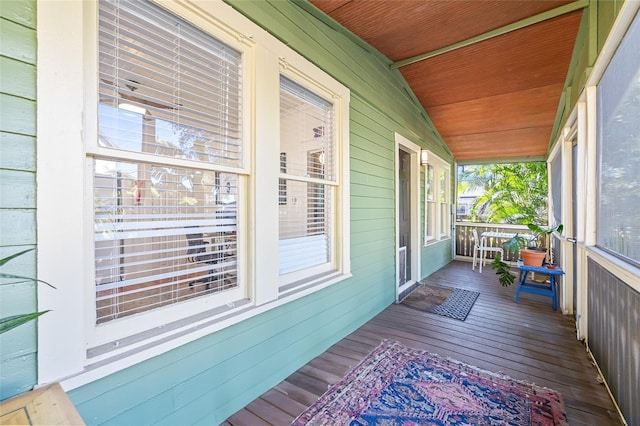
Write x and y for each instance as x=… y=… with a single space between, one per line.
x=526 y=341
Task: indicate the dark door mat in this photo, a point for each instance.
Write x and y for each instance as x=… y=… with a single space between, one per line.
x=446 y=301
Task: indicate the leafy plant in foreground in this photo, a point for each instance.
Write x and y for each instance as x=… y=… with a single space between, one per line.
x=13 y=321
x=503 y=271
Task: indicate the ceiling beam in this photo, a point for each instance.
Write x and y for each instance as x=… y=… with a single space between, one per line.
x=553 y=13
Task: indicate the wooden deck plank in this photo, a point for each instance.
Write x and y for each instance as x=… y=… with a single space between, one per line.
x=541 y=350
x=281 y=400
x=271 y=414
x=245 y=417
x=527 y=341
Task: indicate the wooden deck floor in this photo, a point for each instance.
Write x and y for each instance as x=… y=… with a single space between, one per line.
x=526 y=341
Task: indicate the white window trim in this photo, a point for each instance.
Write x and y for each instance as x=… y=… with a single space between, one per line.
x=326 y=89
x=67 y=73
x=444 y=206
x=122 y=329
x=438 y=165
x=430 y=229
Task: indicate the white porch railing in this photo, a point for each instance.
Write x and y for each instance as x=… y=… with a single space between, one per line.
x=464 y=238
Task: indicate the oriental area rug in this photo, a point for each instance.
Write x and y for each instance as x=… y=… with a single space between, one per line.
x=446 y=301
x=397 y=385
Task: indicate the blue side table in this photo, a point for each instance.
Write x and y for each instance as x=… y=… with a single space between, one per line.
x=536 y=288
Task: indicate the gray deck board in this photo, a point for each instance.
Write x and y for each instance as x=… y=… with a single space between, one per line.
x=526 y=341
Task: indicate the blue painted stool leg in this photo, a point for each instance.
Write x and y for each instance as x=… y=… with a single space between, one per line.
x=521 y=279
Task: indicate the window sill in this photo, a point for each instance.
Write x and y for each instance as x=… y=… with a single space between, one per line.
x=112 y=357
x=434 y=241
x=625 y=271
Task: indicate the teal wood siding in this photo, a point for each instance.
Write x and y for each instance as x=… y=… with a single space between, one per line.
x=17 y=189
x=205 y=381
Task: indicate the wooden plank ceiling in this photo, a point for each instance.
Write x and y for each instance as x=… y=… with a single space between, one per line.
x=491 y=99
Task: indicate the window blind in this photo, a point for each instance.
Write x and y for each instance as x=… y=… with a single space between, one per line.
x=160 y=237
x=167 y=69
x=164 y=234
x=307 y=175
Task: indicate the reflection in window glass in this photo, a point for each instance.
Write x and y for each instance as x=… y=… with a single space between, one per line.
x=443 y=193
x=161 y=236
x=307 y=167
x=436 y=215
x=120 y=128
x=164 y=232
x=183 y=83
x=443 y=186
x=619 y=150
x=429 y=184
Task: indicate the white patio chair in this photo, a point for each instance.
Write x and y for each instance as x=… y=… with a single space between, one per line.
x=479 y=249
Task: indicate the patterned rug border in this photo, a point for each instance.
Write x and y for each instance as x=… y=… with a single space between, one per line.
x=370 y=362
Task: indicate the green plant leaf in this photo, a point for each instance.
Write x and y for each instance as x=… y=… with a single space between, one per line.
x=20 y=277
x=515 y=243
x=8 y=258
x=545 y=230
x=535 y=228
x=503 y=271
x=14 y=321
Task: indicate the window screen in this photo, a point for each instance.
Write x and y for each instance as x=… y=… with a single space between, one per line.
x=556 y=188
x=618 y=227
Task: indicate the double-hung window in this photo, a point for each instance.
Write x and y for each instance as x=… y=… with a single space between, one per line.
x=443 y=202
x=168 y=163
x=306 y=217
x=214 y=164
x=430 y=204
x=437 y=210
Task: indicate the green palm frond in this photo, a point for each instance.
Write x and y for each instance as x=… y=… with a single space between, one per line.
x=13 y=321
x=20 y=277
x=8 y=258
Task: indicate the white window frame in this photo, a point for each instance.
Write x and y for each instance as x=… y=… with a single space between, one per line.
x=430 y=204
x=125 y=327
x=67 y=72
x=444 y=203
x=291 y=281
x=437 y=212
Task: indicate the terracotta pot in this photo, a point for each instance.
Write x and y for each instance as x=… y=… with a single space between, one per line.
x=532 y=257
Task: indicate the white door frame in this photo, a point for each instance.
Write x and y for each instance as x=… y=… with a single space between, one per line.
x=562 y=149
x=404 y=144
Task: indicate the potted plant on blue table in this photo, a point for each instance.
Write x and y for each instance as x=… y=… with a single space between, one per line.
x=539 y=231
x=532 y=256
